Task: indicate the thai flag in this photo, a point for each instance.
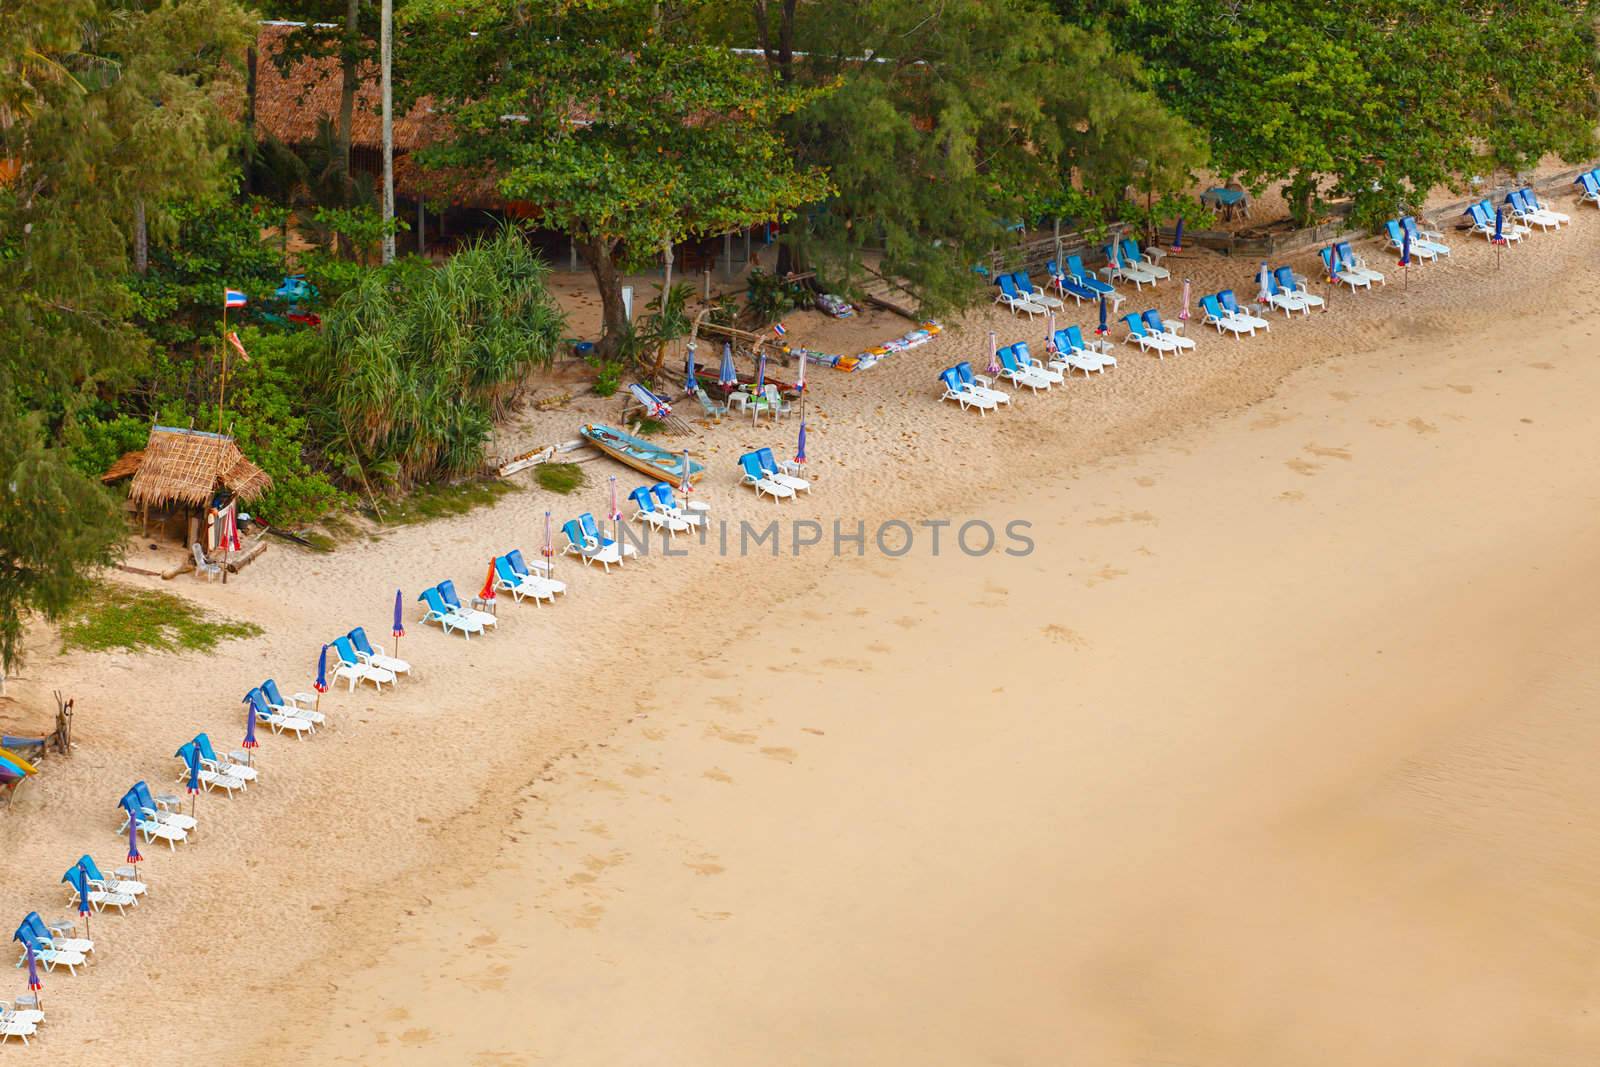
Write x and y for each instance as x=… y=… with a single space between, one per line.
x=778 y=329
x=232 y=298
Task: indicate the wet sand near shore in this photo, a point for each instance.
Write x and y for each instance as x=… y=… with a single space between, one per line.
x=1275 y=751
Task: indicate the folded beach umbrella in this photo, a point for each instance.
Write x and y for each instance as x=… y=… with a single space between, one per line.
x=1333 y=264
x=685 y=486
x=1050 y=337
x=398 y=630
x=1264 y=282
x=994 y=353
x=1499 y=226
x=727 y=375
x=761 y=371
x=321 y=684
x=34 y=985
x=133 y=838
x=1101 y=330
x=1183 y=313
x=78 y=878
x=616 y=515
x=549 y=548
x=1405 y=248
x=689 y=384
x=801 y=384
x=800 y=450
x=487 y=592
x=1177 y=239
x=250 y=727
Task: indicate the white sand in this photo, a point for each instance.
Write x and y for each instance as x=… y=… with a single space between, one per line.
x=1273 y=753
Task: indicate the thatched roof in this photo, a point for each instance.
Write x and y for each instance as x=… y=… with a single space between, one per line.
x=125 y=467
x=289 y=106
x=184 y=467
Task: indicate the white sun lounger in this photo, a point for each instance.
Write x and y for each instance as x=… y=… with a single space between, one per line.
x=754 y=476
x=775 y=472
x=963 y=394
x=978 y=385
x=16 y=1027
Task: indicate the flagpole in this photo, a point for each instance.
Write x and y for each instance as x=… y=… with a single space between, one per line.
x=222 y=393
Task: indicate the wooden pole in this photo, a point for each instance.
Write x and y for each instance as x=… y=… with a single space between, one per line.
x=386 y=34
x=222 y=392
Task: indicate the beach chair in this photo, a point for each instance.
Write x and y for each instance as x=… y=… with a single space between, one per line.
x=1027 y=360
x=1156 y=328
x=1011 y=298
x=12 y=1024
x=1097 y=349
x=79 y=885
x=592 y=528
x=1077 y=272
x=1354 y=265
x=161 y=811
x=712 y=409
x=452 y=600
x=981 y=386
x=1215 y=316
x=1588 y=184
x=1033 y=292
x=279 y=720
x=1230 y=305
x=355 y=670
x=211 y=778
x=148 y=827
x=775 y=471
x=1136 y=273
x=645 y=504
x=232 y=765
x=539 y=567
x=1481 y=216
x=957 y=390
x=436 y=610
x=1285 y=280
x=1431 y=239
x=298 y=706
x=589 y=549
x=1397 y=241
x=1526 y=207
x=204 y=569
x=668 y=502
x=1131 y=253
x=1146 y=340
x=1017 y=374
x=752 y=474
x=775 y=403
x=1064 y=359
x=1288 y=303
x=130 y=886
x=521 y=586
x=373 y=654
x=50 y=934
x=44 y=952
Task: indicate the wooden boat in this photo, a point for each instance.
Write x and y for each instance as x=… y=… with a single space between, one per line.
x=647 y=457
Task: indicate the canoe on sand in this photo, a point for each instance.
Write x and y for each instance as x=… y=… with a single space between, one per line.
x=647 y=457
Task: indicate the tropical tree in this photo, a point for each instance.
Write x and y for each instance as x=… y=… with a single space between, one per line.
x=615 y=118
x=1388 y=98
x=417 y=362
x=108 y=110
x=950 y=122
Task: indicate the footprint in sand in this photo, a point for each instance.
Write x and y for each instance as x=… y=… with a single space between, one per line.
x=812 y=730
x=1293 y=496
x=1270 y=421
x=493 y=978
x=653 y=733
x=1421 y=425
x=779 y=752
x=396 y=1015
x=1328 y=452
x=1543 y=366
x=1108 y=520
x=1301 y=466
x=1462 y=388
x=1062 y=635
x=717 y=774
x=906 y=622
x=419 y=1036
x=638 y=770
x=714 y=916
x=706 y=865
x=1343 y=396
x=1105 y=574
x=484 y=940
x=737 y=737
x=879 y=646
x=586 y=917
x=1382 y=424
x=1144 y=482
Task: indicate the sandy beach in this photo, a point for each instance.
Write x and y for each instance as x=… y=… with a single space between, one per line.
x=1273 y=750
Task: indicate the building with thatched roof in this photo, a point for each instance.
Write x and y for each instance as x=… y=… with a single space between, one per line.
x=189 y=474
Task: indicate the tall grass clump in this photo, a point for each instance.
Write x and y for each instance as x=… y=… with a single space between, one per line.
x=417 y=362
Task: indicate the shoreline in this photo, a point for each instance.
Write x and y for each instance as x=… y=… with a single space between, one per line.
x=451 y=718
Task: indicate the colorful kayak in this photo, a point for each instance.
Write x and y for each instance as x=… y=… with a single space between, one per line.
x=647 y=457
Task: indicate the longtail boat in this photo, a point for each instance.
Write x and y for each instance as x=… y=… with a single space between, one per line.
x=644 y=456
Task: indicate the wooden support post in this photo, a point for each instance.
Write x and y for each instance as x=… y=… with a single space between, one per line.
x=727 y=255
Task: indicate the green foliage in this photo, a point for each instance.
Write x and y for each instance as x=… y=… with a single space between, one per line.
x=768 y=297
x=561 y=478
x=440 y=500
x=628 y=128
x=416 y=362
x=217 y=243
x=608 y=376
x=1388 y=97
x=101 y=442
x=133 y=620
x=969 y=113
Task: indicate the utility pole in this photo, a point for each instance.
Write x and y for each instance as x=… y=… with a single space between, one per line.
x=386 y=43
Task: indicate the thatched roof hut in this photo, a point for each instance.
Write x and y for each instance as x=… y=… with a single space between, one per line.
x=185 y=467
